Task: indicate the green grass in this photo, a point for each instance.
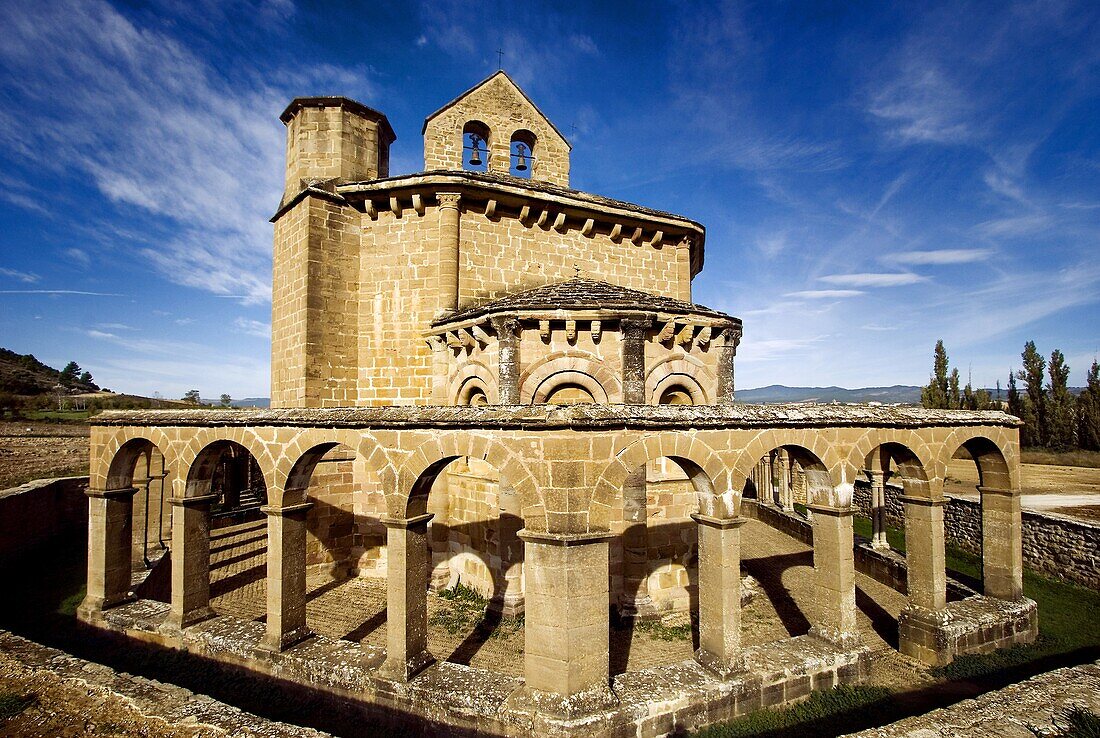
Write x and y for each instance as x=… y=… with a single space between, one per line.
x=1077 y=722
x=663 y=632
x=13 y=703
x=59 y=416
x=468 y=609
x=839 y=710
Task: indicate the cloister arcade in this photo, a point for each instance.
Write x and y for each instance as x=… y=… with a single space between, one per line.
x=567 y=501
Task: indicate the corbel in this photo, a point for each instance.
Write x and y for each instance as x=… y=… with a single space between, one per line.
x=685 y=334
x=588 y=227
x=370 y=209
x=544 y=330
x=480 y=334
x=543 y=216
x=490 y=208
x=453 y=340
x=525 y=214
x=658 y=237
x=464 y=338
x=559 y=223
x=418 y=203
x=704 y=336
x=597 y=330
x=617 y=232
x=395 y=206
x=667 y=331
x=637 y=236
x=570 y=330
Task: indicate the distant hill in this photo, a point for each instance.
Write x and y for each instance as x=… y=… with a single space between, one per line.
x=898 y=393
x=246 y=402
x=22 y=374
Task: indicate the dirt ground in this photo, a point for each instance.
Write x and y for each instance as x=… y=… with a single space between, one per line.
x=30 y=450
x=1067 y=490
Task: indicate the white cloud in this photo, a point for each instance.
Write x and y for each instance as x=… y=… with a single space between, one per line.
x=824 y=294
x=873 y=280
x=922 y=104
x=940 y=256
x=253 y=327
x=78 y=256
x=27 y=277
x=60 y=292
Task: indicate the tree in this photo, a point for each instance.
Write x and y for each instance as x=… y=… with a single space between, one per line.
x=1015 y=402
x=954 y=401
x=1060 y=430
x=191 y=396
x=226 y=401
x=1033 y=409
x=69 y=374
x=1088 y=411
x=86 y=378
x=935 y=393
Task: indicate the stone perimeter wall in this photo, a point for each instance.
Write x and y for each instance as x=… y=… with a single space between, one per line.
x=1054 y=545
x=36 y=514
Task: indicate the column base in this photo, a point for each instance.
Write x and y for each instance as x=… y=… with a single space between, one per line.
x=722 y=667
x=404 y=670
x=975 y=625
x=528 y=700
x=638 y=608
x=176 y=622
x=287 y=640
x=91 y=608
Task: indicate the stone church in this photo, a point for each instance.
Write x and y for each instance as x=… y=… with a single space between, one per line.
x=481 y=376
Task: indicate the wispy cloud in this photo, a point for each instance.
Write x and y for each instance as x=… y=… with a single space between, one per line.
x=27 y=277
x=252 y=327
x=936 y=257
x=60 y=292
x=866 y=279
x=824 y=294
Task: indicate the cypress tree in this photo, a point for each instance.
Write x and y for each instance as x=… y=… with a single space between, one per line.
x=935 y=393
x=1088 y=411
x=1033 y=408
x=1060 y=430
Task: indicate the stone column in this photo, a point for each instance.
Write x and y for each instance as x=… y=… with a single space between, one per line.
x=190 y=560
x=110 y=531
x=834 y=568
x=783 y=479
x=920 y=623
x=286 y=576
x=635 y=597
x=1002 y=543
x=406 y=598
x=683 y=269
x=633 y=331
x=727 y=354
x=878 y=510
x=566 y=626
x=448 y=251
x=719 y=594
x=507 y=329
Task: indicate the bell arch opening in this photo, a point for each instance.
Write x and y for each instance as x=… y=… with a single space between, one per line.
x=476 y=142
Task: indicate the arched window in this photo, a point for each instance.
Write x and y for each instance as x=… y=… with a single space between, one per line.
x=676 y=395
x=475 y=146
x=522 y=152
x=569 y=394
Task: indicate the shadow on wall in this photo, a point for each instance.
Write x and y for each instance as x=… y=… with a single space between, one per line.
x=35 y=514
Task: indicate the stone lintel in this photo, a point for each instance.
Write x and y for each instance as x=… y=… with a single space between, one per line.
x=923 y=501
x=285 y=509
x=720 y=523
x=193 y=501
x=836 y=512
x=109 y=494
x=405 y=523
x=564 y=539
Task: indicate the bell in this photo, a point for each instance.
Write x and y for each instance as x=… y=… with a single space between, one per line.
x=521 y=164
x=475 y=157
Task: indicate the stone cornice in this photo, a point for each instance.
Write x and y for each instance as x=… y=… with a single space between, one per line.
x=579 y=417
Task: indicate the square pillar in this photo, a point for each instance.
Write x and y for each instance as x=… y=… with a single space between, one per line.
x=507 y=329
x=634 y=598
x=567 y=624
x=834 y=569
x=719 y=594
x=1002 y=543
x=286 y=576
x=921 y=623
x=110 y=534
x=190 y=560
x=406 y=598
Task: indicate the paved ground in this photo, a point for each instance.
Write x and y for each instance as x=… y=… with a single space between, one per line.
x=355 y=609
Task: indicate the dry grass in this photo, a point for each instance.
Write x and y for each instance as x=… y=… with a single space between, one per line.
x=1087 y=459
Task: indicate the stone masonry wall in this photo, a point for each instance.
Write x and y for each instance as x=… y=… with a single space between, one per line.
x=332 y=143
x=35 y=514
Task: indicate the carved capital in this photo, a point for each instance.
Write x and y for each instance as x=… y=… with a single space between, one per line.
x=731 y=335
x=448 y=199
x=505 y=326
x=636 y=328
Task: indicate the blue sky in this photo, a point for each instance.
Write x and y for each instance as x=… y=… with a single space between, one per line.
x=873 y=176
